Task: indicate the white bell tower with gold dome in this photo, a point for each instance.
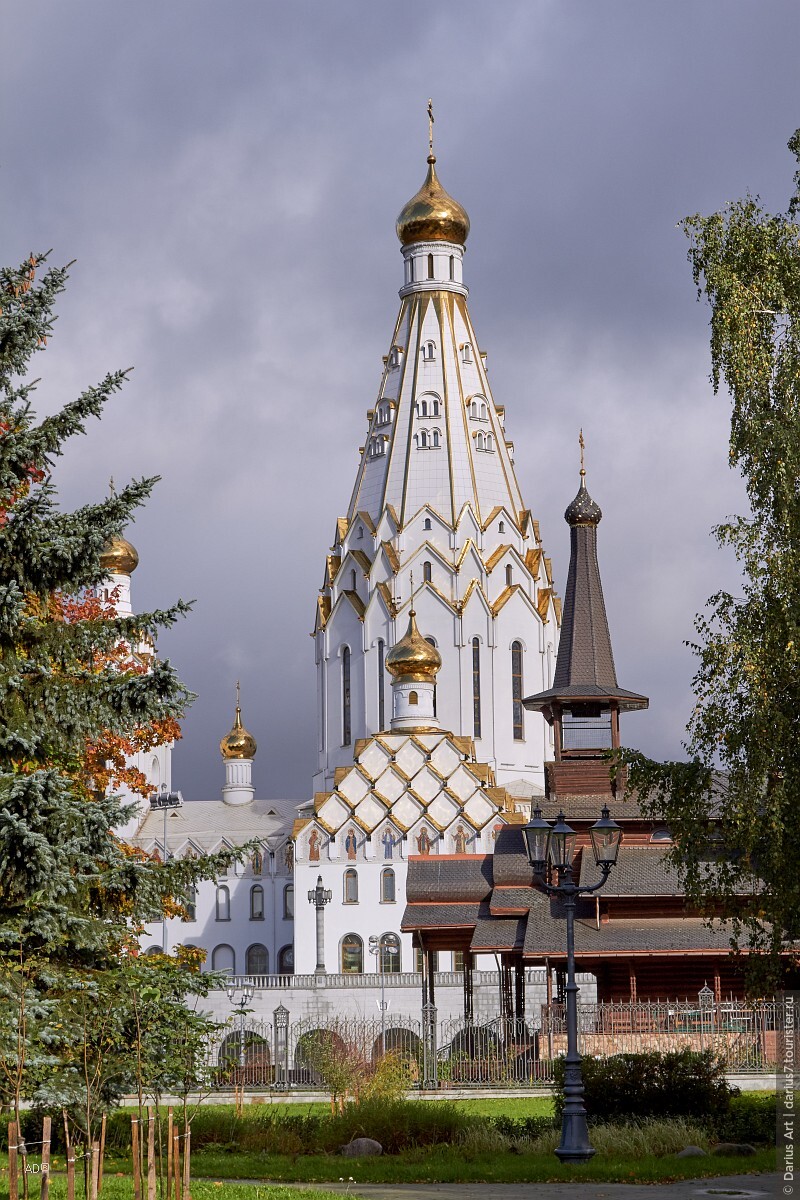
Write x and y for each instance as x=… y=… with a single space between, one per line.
x=436 y=497
x=119 y=560
x=238 y=749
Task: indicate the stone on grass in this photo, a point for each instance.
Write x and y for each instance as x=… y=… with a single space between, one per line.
x=361 y=1148
x=691 y=1152
x=734 y=1149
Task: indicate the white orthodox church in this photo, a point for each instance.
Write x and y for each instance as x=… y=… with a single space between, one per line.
x=436 y=615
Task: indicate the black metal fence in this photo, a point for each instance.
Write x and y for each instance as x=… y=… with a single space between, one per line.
x=319 y=1054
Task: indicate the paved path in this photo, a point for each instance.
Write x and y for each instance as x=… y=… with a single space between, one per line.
x=726 y=1187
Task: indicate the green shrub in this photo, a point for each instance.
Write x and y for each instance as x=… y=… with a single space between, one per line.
x=681 y=1083
x=518 y=1128
x=750 y=1118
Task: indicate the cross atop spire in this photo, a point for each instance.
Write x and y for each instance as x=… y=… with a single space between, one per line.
x=238 y=696
x=582 y=445
x=431 y=155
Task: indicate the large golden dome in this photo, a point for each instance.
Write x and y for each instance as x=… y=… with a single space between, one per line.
x=238 y=743
x=432 y=215
x=413 y=659
x=119 y=557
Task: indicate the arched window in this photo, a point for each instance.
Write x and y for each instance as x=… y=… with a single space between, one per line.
x=351 y=886
x=476 y=687
x=286 y=960
x=427 y=571
x=466 y=352
x=387 y=886
x=509 y=575
x=256 y=960
x=410 y=270
x=430 y=266
x=484 y=415
x=661 y=835
x=422 y=408
x=516 y=691
x=223 y=904
x=346 y=736
x=288 y=902
x=353 y=579
x=480 y=441
x=452 y=266
x=381 y=684
x=489 y=442
x=435 y=406
x=501 y=528
x=435 y=439
x=223 y=959
x=155 y=773
x=190 y=903
x=257 y=903
x=422 y=439
x=151 y=950
x=352 y=954
x=429 y=351
x=390 y=954
x=413 y=697
x=360 y=533
x=394 y=356
x=426 y=524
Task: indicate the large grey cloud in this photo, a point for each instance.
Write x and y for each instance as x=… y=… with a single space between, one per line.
x=227 y=176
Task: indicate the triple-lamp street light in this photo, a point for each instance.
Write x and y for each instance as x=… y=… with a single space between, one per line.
x=378 y=946
x=554 y=846
x=247 y=989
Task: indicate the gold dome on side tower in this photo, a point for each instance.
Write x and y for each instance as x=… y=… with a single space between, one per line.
x=413 y=659
x=238 y=743
x=119 y=557
x=432 y=215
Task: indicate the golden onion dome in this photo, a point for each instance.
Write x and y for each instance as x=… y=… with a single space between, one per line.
x=432 y=215
x=238 y=743
x=119 y=557
x=413 y=658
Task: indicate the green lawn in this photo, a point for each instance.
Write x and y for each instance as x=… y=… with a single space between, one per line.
x=438 y=1164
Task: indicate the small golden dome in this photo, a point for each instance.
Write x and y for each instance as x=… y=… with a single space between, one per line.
x=119 y=557
x=432 y=215
x=413 y=658
x=238 y=743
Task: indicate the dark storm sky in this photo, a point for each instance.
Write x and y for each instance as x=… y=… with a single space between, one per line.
x=227 y=175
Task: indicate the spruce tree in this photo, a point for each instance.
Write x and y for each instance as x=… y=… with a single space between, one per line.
x=72 y=894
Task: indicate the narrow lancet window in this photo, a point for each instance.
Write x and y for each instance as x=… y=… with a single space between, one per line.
x=516 y=691
x=346 y=729
x=476 y=687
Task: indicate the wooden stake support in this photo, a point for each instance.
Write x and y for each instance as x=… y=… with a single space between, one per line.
x=13 y=1161
x=102 y=1155
x=137 y=1159
x=170 y=1133
x=187 y=1163
x=176 y=1163
x=95 y=1169
x=44 y=1191
x=70 y=1158
x=151 y=1155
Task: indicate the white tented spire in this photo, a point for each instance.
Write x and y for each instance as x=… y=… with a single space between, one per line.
x=436 y=495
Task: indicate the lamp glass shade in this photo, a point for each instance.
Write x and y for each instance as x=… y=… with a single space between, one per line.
x=537 y=840
x=606 y=837
x=562 y=842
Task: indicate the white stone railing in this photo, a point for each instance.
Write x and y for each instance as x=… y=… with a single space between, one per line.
x=371 y=979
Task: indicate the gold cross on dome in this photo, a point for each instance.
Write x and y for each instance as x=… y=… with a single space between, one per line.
x=238 y=690
x=582 y=445
x=430 y=128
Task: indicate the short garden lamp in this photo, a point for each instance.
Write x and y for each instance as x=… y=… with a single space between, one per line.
x=280 y=1017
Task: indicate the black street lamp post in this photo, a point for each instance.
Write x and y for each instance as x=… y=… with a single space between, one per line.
x=554 y=845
